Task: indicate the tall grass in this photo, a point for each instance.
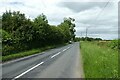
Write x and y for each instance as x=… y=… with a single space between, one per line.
x=99 y=61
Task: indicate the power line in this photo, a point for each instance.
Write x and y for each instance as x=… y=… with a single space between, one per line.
x=102 y=10
x=97 y=16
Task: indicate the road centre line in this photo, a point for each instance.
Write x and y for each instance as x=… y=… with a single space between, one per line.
x=55 y=55
x=64 y=49
x=68 y=47
x=28 y=70
x=36 y=65
x=59 y=52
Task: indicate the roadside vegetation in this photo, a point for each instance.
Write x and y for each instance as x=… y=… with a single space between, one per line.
x=100 y=58
x=22 y=36
x=29 y=52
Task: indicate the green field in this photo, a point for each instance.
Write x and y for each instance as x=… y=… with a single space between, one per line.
x=99 y=60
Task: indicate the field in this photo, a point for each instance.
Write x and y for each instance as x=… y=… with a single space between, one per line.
x=99 y=60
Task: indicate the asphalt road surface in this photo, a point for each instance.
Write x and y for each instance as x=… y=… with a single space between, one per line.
x=62 y=62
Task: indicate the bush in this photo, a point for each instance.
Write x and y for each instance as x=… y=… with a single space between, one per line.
x=115 y=44
x=6 y=38
x=6 y=50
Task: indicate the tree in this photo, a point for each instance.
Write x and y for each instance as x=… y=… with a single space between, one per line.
x=11 y=21
x=20 y=28
x=56 y=35
x=21 y=33
x=42 y=30
x=0 y=22
x=68 y=28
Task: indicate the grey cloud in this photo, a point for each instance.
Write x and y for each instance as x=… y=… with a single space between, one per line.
x=81 y=6
x=98 y=35
x=99 y=23
x=100 y=31
x=17 y=3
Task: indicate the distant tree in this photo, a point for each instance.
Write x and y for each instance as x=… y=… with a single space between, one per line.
x=70 y=21
x=0 y=22
x=97 y=39
x=68 y=28
x=88 y=39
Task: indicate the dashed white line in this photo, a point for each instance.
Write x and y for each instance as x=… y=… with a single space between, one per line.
x=68 y=47
x=58 y=53
x=37 y=65
x=55 y=55
x=64 y=49
x=28 y=70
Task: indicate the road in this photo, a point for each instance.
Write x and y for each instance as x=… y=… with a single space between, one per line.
x=62 y=62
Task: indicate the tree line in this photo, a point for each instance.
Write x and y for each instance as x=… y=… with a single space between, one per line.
x=20 y=33
x=87 y=39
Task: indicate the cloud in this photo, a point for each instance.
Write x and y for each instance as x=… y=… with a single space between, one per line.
x=81 y=6
x=16 y=3
x=84 y=12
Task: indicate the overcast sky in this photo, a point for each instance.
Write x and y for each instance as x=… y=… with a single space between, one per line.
x=85 y=12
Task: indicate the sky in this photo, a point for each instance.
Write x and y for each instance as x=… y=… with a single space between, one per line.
x=99 y=17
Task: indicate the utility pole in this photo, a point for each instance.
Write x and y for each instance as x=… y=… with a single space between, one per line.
x=81 y=34
x=86 y=33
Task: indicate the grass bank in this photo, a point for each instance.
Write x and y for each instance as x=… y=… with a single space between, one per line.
x=99 y=61
x=28 y=52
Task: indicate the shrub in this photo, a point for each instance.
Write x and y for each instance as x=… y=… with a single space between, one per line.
x=6 y=38
x=6 y=50
x=115 y=44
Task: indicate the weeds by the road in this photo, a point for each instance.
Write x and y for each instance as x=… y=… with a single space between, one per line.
x=99 y=61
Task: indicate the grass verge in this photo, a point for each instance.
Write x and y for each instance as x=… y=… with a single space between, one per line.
x=99 y=61
x=27 y=53
x=20 y=54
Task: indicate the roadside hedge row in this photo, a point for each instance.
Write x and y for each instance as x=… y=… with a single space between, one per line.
x=20 y=33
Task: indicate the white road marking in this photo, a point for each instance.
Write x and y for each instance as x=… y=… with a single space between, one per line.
x=28 y=70
x=37 y=65
x=64 y=49
x=22 y=58
x=68 y=47
x=55 y=55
